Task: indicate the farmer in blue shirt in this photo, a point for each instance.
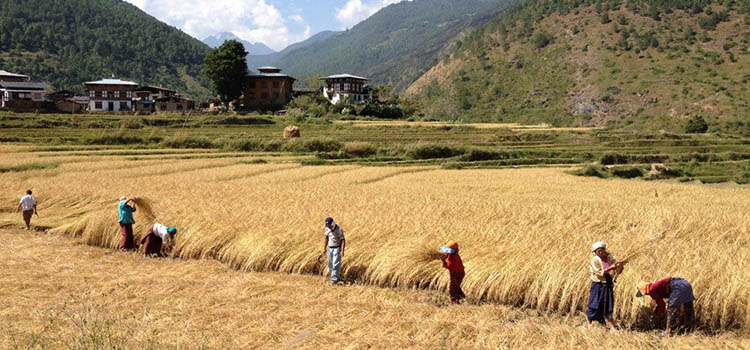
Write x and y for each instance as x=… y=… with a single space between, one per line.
x=126 y=223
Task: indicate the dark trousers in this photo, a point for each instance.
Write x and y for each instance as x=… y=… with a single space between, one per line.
x=151 y=243
x=455 y=287
x=126 y=237
x=27 y=216
x=673 y=319
x=601 y=301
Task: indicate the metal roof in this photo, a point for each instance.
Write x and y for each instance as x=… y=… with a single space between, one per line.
x=23 y=85
x=9 y=74
x=110 y=82
x=151 y=88
x=269 y=68
x=270 y=75
x=344 y=76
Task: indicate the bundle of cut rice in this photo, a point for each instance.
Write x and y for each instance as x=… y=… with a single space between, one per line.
x=426 y=254
x=291 y=131
x=144 y=206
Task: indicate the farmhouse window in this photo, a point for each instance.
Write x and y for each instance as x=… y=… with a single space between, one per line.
x=92 y=93
x=117 y=93
x=341 y=86
x=104 y=93
x=179 y=106
x=129 y=94
x=98 y=105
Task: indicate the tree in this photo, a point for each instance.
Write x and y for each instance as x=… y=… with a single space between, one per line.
x=696 y=125
x=226 y=67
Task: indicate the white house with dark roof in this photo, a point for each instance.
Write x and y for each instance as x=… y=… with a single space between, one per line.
x=110 y=95
x=340 y=86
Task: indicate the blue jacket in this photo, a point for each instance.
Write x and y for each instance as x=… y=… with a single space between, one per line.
x=126 y=213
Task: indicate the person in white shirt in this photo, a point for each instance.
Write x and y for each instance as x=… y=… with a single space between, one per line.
x=27 y=205
x=158 y=236
x=335 y=243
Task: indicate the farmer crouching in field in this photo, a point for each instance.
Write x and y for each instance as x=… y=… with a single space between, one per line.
x=678 y=291
x=27 y=205
x=158 y=236
x=452 y=262
x=335 y=243
x=126 y=224
x=603 y=271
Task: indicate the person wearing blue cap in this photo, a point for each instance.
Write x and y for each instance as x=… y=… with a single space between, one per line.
x=158 y=236
x=335 y=243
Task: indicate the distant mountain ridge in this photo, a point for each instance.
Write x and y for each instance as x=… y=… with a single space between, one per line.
x=66 y=43
x=255 y=61
x=394 y=46
x=635 y=64
x=258 y=48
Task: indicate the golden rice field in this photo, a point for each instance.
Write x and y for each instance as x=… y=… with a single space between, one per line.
x=525 y=234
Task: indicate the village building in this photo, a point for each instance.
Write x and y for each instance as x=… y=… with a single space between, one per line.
x=13 y=77
x=22 y=95
x=342 y=86
x=173 y=104
x=108 y=95
x=269 y=88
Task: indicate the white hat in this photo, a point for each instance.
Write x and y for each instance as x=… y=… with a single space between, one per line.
x=123 y=198
x=598 y=245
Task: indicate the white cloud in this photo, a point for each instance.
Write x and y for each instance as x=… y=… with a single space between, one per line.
x=355 y=11
x=251 y=20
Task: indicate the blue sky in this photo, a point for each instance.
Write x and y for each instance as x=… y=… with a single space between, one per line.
x=276 y=23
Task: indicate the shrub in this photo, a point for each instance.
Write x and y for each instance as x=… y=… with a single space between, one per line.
x=182 y=141
x=542 y=39
x=593 y=170
x=359 y=149
x=627 y=172
x=478 y=154
x=432 y=151
x=613 y=158
x=314 y=145
x=116 y=139
x=696 y=125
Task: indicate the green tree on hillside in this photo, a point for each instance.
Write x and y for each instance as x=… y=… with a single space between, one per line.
x=226 y=67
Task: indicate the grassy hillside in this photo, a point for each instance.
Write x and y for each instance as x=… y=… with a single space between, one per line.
x=397 y=44
x=632 y=64
x=68 y=42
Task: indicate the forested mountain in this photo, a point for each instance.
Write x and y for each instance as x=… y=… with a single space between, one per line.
x=255 y=61
x=395 y=45
x=638 y=64
x=68 y=42
x=258 y=48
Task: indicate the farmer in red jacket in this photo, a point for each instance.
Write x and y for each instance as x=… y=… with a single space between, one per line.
x=679 y=293
x=452 y=262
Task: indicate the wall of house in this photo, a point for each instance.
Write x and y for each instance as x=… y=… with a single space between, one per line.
x=105 y=105
x=260 y=91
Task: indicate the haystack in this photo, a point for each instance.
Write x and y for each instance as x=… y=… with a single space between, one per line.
x=291 y=131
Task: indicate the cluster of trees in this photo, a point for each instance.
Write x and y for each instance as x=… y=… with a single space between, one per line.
x=68 y=42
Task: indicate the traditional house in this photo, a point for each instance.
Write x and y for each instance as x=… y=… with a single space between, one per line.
x=75 y=104
x=341 y=86
x=173 y=104
x=13 y=77
x=110 y=95
x=268 y=89
x=22 y=95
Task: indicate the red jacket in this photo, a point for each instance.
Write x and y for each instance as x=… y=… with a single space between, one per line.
x=659 y=291
x=453 y=263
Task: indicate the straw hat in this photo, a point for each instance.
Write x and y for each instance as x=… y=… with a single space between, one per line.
x=642 y=288
x=452 y=245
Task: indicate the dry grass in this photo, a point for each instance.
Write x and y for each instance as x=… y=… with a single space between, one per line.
x=59 y=295
x=524 y=233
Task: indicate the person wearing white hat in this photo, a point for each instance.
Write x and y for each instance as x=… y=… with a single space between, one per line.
x=603 y=269
x=126 y=222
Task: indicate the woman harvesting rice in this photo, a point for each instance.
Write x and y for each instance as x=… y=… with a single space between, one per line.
x=679 y=293
x=126 y=222
x=603 y=271
x=157 y=236
x=452 y=262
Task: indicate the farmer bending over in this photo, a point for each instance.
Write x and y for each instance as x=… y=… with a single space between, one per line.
x=452 y=262
x=158 y=236
x=335 y=243
x=27 y=205
x=679 y=293
x=126 y=222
